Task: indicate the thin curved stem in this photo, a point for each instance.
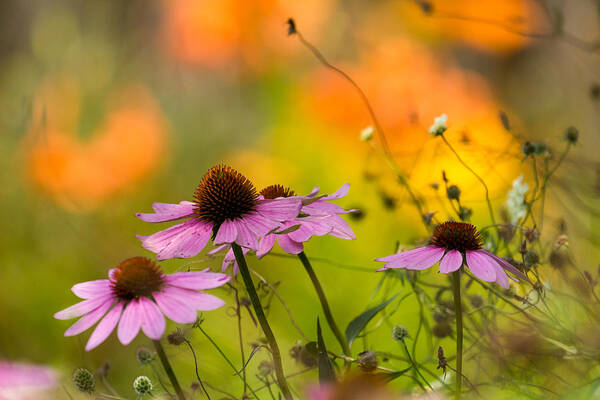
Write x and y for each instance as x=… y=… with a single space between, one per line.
x=262 y=319
x=324 y=304
x=196 y=367
x=167 y=366
x=459 y=331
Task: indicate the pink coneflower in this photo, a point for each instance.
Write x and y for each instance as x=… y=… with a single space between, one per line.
x=136 y=296
x=317 y=217
x=226 y=208
x=452 y=245
x=19 y=381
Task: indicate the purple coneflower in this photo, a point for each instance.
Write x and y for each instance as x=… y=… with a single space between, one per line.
x=137 y=296
x=452 y=245
x=227 y=208
x=317 y=217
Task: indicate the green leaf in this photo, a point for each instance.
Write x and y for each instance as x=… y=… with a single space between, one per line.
x=356 y=326
x=326 y=372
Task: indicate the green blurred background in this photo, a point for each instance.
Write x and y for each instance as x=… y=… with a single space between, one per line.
x=108 y=106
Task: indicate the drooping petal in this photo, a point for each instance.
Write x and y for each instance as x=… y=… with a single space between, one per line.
x=89 y=319
x=153 y=320
x=82 y=307
x=174 y=308
x=501 y=277
x=402 y=256
x=259 y=224
x=168 y=212
x=227 y=232
x=338 y=194
x=197 y=280
x=245 y=237
x=322 y=208
x=507 y=266
x=426 y=259
x=451 y=261
x=279 y=209
x=482 y=265
x=105 y=327
x=131 y=322
x=162 y=239
x=196 y=300
x=265 y=245
x=309 y=229
x=340 y=228
x=288 y=245
x=91 y=289
x=188 y=243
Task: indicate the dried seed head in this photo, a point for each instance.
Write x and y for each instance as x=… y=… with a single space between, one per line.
x=367 y=360
x=144 y=355
x=399 y=333
x=84 y=380
x=572 y=135
x=453 y=192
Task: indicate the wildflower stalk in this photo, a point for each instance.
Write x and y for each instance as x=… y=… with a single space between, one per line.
x=415 y=368
x=324 y=304
x=260 y=314
x=459 y=330
x=487 y=191
x=167 y=366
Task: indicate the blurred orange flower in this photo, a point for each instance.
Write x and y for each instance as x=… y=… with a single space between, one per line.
x=80 y=174
x=218 y=33
x=486 y=25
x=408 y=87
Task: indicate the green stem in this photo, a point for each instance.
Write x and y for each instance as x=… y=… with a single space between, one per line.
x=415 y=368
x=262 y=319
x=167 y=366
x=459 y=330
x=324 y=304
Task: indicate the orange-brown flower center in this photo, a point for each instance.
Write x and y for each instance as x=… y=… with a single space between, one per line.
x=136 y=277
x=224 y=194
x=457 y=236
x=275 y=191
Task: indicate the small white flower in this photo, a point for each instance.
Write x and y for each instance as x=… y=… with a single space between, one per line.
x=367 y=134
x=439 y=125
x=515 y=201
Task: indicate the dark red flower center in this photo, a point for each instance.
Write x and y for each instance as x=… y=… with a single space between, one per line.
x=275 y=191
x=224 y=194
x=136 y=277
x=457 y=236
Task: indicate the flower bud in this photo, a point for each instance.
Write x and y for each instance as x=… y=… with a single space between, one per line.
x=453 y=192
x=399 y=333
x=465 y=213
x=367 y=360
x=528 y=148
x=571 y=135
x=144 y=355
x=176 y=337
x=531 y=258
x=367 y=134
x=142 y=385
x=84 y=380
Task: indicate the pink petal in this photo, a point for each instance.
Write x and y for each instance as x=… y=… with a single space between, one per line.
x=168 y=212
x=161 y=240
x=188 y=243
x=451 y=262
x=279 y=209
x=501 y=277
x=259 y=224
x=197 y=280
x=196 y=300
x=218 y=249
x=153 y=320
x=130 y=324
x=507 y=266
x=82 y=307
x=322 y=208
x=340 y=228
x=338 y=194
x=426 y=259
x=245 y=237
x=482 y=265
x=314 y=192
x=174 y=308
x=89 y=319
x=91 y=289
x=402 y=257
x=227 y=233
x=105 y=327
x=265 y=245
x=288 y=245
